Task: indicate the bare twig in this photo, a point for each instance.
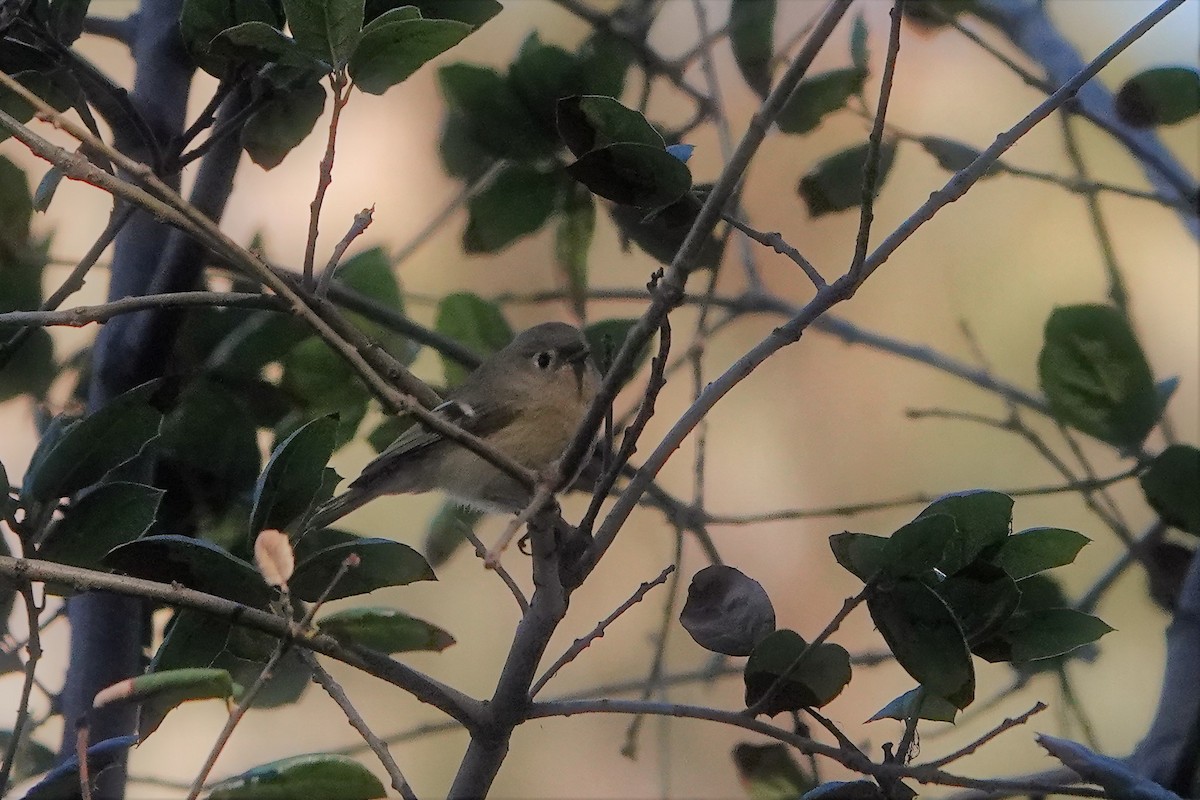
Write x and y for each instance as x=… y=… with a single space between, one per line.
x=34 y=648
x=1007 y=724
x=339 y=83
x=776 y=242
x=362 y=220
x=482 y=552
x=80 y=316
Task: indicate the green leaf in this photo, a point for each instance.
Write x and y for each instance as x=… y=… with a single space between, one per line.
x=917 y=548
x=388 y=54
x=632 y=174
x=32 y=758
x=835 y=184
x=1170 y=486
x=260 y=43
x=860 y=554
x=818 y=679
x=201 y=21
x=541 y=75
x=193 y=563
x=751 y=30
x=474 y=322
x=982 y=597
x=1159 y=96
x=98 y=520
x=16 y=207
x=374 y=18
x=494 y=116
x=859 y=55
x=661 y=233
x=160 y=692
x=1038 y=549
x=817 y=96
x=31 y=369
x=318 y=775
x=472 y=12
x=289 y=482
x=462 y=156
x=769 y=772
x=1044 y=634
x=1095 y=376
x=448 y=530
x=211 y=439
x=953 y=156
x=933 y=708
x=282 y=123
x=516 y=203
x=590 y=122
x=382 y=562
x=89 y=448
x=605 y=339
x=604 y=60
x=372 y=273
x=983 y=519
x=325 y=29
x=324 y=383
x=384 y=629
x=572 y=240
x=923 y=634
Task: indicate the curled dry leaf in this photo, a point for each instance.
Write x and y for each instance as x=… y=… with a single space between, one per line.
x=274 y=556
x=726 y=611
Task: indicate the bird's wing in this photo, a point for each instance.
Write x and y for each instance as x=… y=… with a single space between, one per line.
x=482 y=419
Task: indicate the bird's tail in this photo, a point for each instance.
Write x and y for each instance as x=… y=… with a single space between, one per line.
x=335 y=508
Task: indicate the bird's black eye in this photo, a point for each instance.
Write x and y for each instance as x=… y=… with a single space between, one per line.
x=543 y=359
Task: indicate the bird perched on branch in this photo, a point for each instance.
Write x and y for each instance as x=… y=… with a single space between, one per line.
x=525 y=401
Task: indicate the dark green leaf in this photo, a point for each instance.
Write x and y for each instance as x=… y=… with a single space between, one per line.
x=541 y=75
x=820 y=676
x=462 y=156
x=202 y=20
x=1038 y=549
x=860 y=554
x=639 y=175
x=953 y=156
x=572 y=240
x=324 y=383
x=290 y=481
x=1172 y=486
x=1095 y=375
x=98 y=520
x=16 y=207
x=983 y=519
x=318 y=775
x=769 y=772
x=210 y=437
x=448 y=530
x=282 y=123
x=193 y=563
x=325 y=29
x=605 y=58
x=384 y=629
x=1044 y=634
x=817 y=96
x=374 y=18
x=31 y=369
x=31 y=758
x=727 y=611
x=934 y=708
x=495 y=117
x=662 y=233
x=517 y=202
x=982 y=597
x=590 y=122
x=922 y=633
x=6 y=502
x=835 y=184
x=160 y=692
x=606 y=337
x=751 y=30
x=917 y=548
x=371 y=273
x=472 y=12
x=260 y=43
x=382 y=562
x=477 y=323
x=87 y=449
x=859 y=55
x=1159 y=96
x=389 y=54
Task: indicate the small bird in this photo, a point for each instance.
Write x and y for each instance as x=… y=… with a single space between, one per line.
x=525 y=400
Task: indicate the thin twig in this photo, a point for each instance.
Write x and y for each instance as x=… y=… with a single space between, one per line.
x=339 y=83
x=34 y=648
x=80 y=316
x=776 y=242
x=481 y=551
x=362 y=220
x=377 y=745
x=1008 y=724
x=583 y=643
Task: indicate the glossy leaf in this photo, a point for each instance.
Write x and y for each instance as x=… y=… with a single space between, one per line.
x=818 y=96
x=727 y=611
x=98 y=520
x=1043 y=634
x=261 y=43
x=1095 y=376
x=388 y=54
x=472 y=12
x=835 y=184
x=983 y=519
x=322 y=382
x=493 y=114
x=193 y=563
x=314 y=776
x=751 y=31
x=282 y=123
x=982 y=597
x=638 y=175
x=161 y=692
x=590 y=122
x=201 y=21
x=384 y=629
x=89 y=448
x=917 y=548
x=820 y=676
x=769 y=772
x=1172 y=486
x=1038 y=549
x=933 y=708
x=381 y=562
x=325 y=29
x=572 y=240
x=1159 y=96
x=474 y=322
x=289 y=482
x=928 y=643
x=661 y=233
x=860 y=554
x=448 y=531
x=516 y=203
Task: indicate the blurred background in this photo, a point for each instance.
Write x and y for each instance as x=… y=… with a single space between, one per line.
x=820 y=424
